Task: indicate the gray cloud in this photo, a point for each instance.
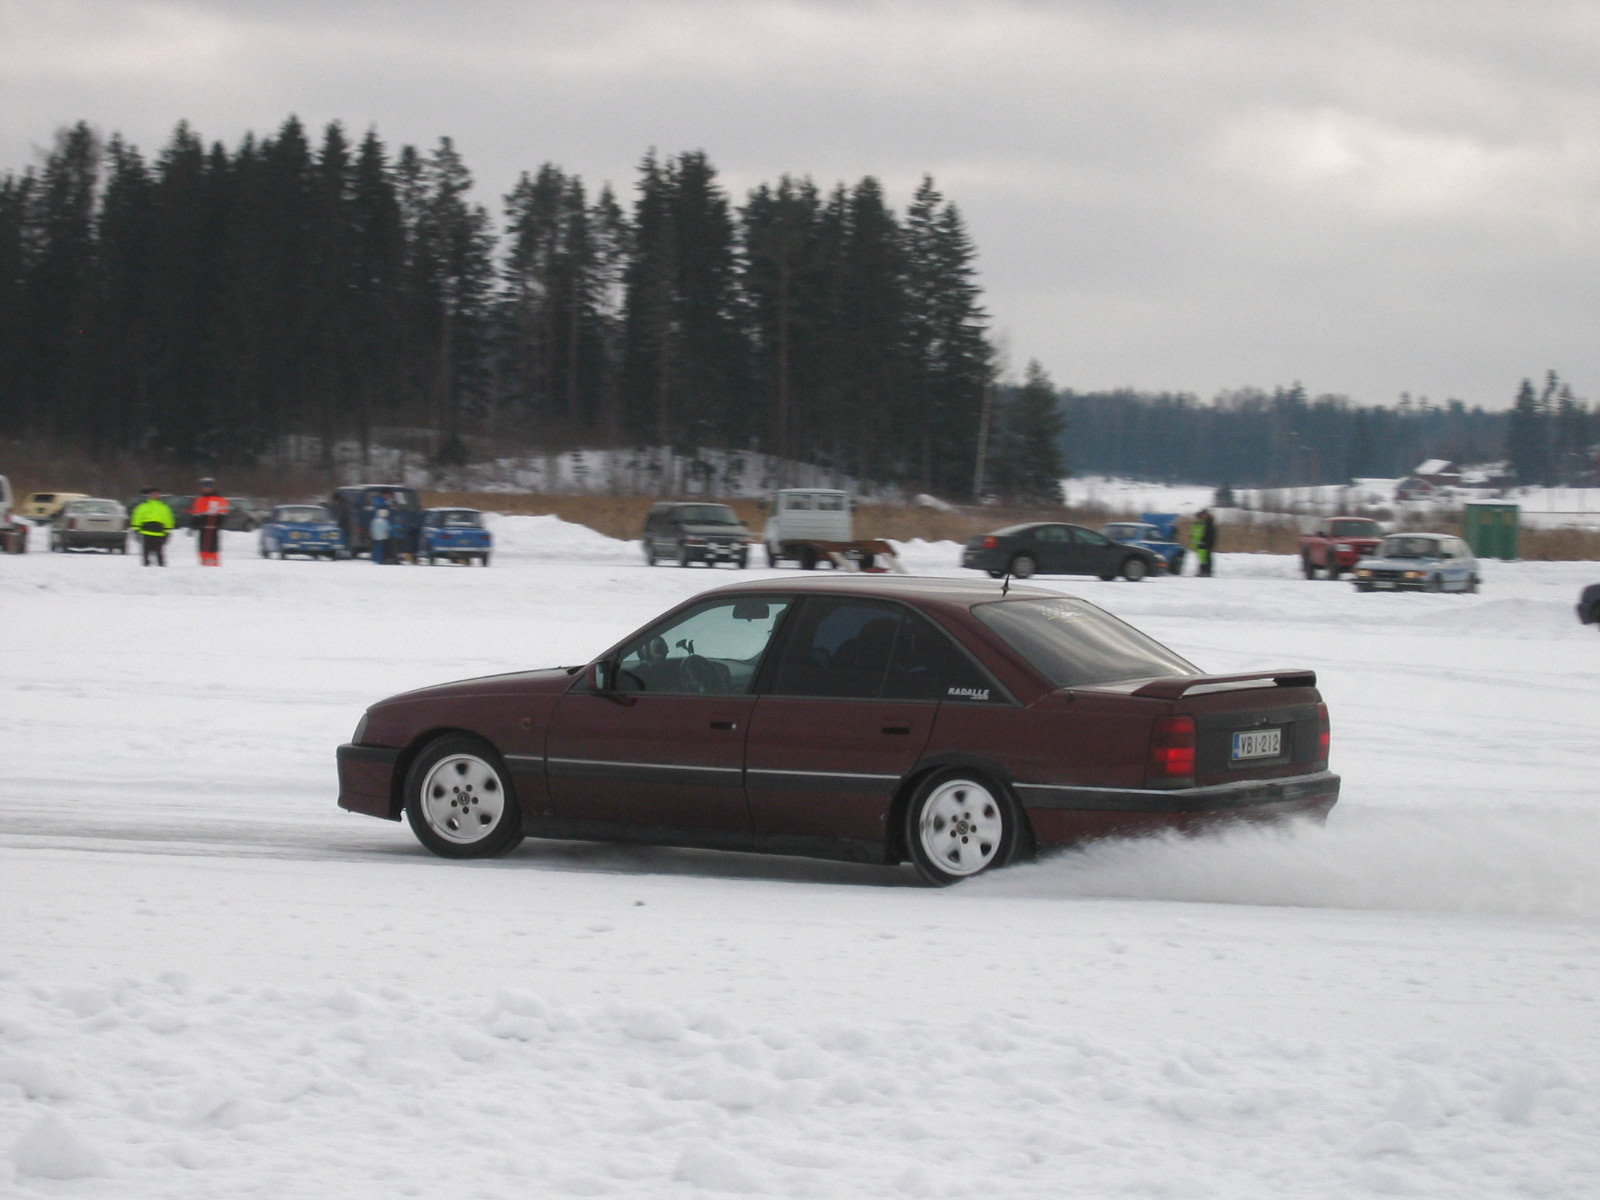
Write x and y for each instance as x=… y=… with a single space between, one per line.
x=1367 y=197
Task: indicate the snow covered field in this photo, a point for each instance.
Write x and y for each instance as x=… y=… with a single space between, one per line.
x=213 y=983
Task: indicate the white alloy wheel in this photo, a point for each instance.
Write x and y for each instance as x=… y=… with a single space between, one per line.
x=960 y=827
x=462 y=799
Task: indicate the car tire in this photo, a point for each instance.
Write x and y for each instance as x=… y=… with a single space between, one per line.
x=459 y=799
x=959 y=824
x=808 y=559
x=683 y=555
x=742 y=561
x=1308 y=566
x=261 y=549
x=1134 y=569
x=1023 y=566
x=1435 y=584
x=1363 y=587
x=649 y=548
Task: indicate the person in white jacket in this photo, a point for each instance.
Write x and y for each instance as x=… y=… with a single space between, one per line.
x=380 y=536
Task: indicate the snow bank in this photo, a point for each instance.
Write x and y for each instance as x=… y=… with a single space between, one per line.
x=370 y=1092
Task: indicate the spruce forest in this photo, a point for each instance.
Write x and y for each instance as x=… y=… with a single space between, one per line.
x=210 y=305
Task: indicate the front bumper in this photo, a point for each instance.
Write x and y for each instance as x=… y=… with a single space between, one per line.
x=367 y=781
x=717 y=551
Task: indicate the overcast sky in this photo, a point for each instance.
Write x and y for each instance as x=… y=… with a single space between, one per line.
x=1365 y=196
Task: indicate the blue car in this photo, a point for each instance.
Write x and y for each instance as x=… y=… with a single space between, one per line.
x=307 y=529
x=455 y=535
x=1152 y=537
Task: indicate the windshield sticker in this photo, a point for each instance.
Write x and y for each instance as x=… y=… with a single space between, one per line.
x=968 y=693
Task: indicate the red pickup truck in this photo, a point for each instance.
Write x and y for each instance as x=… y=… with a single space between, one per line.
x=1336 y=545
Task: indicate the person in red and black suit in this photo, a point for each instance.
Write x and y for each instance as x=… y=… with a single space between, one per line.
x=206 y=516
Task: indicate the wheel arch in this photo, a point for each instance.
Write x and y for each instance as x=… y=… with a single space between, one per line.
x=895 y=849
x=419 y=743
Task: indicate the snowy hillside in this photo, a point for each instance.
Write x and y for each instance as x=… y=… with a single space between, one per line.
x=217 y=984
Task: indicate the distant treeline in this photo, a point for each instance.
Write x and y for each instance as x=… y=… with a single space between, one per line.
x=198 y=307
x=1285 y=437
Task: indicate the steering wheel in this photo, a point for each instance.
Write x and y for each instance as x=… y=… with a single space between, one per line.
x=701 y=675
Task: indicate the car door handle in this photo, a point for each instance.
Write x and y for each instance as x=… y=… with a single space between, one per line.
x=724 y=724
x=905 y=729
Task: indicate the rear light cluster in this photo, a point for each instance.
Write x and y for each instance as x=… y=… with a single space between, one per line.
x=1324 y=734
x=1172 y=751
x=990 y=542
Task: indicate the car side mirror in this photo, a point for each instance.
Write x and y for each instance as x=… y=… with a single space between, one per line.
x=601 y=676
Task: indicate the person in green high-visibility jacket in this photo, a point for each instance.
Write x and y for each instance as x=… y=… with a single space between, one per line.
x=1203 y=536
x=152 y=521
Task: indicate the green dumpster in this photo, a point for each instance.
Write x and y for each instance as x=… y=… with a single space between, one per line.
x=1491 y=529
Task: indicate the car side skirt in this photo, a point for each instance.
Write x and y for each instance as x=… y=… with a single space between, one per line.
x=837 y=849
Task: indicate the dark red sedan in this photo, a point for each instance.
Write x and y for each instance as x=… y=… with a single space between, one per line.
x=863 y=718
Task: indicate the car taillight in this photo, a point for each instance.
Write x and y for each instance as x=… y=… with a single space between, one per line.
x=72 y=522
x=1324 y=734
x=989 y=543
x=1172 y=750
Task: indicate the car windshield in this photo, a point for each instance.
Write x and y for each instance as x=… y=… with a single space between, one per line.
x=1409 y=547
x=1075 y=644
x=1123 y=531
x=303 y=514
x=709 y=514
x=457 y=518
x=1356 y=529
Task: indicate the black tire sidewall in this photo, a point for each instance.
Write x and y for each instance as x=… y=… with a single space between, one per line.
x=1031 y=563
x=504 y=837
x=1011 y=816
x=1134 y=569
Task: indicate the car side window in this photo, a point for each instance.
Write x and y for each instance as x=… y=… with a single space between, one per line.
x=926 y=665
x=1089 y=537
x=1053 y=533
x=714 y=649
x=838 y=648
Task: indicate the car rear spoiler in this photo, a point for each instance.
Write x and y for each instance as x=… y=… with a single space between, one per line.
x=1199 y=685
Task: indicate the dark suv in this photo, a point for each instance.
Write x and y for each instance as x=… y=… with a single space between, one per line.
x=695 y=532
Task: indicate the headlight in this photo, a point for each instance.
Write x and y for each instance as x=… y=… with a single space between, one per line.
x=361 y=730
x=1363 y=572
x=1416 y=574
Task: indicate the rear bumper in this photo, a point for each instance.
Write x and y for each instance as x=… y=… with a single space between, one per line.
x=1062 y=813
x=366 y=780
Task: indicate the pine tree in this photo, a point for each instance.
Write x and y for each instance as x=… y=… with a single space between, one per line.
x=377 y=337
x=59 y=284
x=1525 y=438
x=1028 y=463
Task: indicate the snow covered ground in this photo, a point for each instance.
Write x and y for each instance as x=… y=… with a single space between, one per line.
x=215 y=983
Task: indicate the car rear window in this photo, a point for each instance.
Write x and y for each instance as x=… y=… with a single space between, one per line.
x=1075 y=644
x=1360 y=529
